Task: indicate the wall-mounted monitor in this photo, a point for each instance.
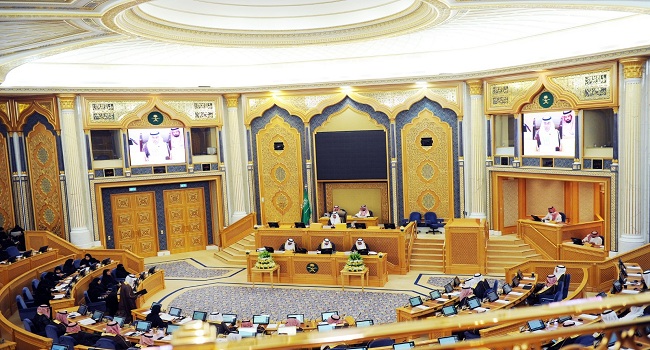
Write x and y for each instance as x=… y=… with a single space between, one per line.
x=156 y=146
x=549 y=134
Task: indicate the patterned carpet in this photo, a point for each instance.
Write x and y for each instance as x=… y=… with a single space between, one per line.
x=183 y=269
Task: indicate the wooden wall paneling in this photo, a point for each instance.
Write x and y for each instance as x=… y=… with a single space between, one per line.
x=186 y=219
x=134 y=222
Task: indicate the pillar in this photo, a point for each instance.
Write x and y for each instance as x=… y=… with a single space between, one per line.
x=633 y=215
x=475 y=157
x=76 y=181
x=235 y=160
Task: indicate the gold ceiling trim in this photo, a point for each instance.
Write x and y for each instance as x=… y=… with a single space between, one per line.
x=129 y=19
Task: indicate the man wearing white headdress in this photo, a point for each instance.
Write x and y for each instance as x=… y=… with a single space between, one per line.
x=363 y=212
x=472 y=282
x=335 y=219
x=559 y=272
x=593 y=238
x=156 y=150
x=548 y=137
x=646 y=279
x=360 y=246
x=289 y=245
x=326 y=247
x=127 y=298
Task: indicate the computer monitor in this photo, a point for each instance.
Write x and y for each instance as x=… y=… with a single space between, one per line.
x=520 y=275
x=299 y=224
x=83 y=309
x=602 y=295
x=171 y=328
x=97 y=315
x=43 y=249
x=404 y=345
x=617 y=287
x=273 y=224
x=365 y=323
x=577 y=241
x=389 y=225
x=59 y=347
x=229 y=318
x=261 y=319
x=325 y=327
x=143 y=275
x=561 y=319
x=447 y=340
x=152 y=270
x=27 y=253
x=119 y=320
x=106 y=261
x=324 y=316
x=415 y=301
x=448 y=288
x=491 y=295
x=174 y=311
x=515 y=282
x=456 y=281
x=507 y=289
x=536 y=325
x=435 y=294
x=360 y=225
x=247 y=333
x=327 y=251
x=199 y=315
x=473 y=302
x=142 y=326
x=299 y=317
x=449 y=310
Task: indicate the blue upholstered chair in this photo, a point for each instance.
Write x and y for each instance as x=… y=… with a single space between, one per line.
x=431 y=221
x=414 y=216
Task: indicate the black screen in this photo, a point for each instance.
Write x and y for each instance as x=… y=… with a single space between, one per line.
x=351 y=155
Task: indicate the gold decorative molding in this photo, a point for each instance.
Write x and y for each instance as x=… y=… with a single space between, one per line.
x=232 y=100
x=633 y=67
x=586 y=86
x=535 y=106
x=301 y=104
x=504 y=97
x=475 y=87
x=67 y=102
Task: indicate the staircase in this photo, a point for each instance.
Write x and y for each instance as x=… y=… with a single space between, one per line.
x=506 y=251
x=236 y=253
x=427 y=253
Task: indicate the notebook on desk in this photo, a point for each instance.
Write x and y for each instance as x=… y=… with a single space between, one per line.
x=577 y=241
x=536 y=218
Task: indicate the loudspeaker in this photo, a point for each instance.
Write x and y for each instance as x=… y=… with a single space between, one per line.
x=205 y=167
x=505 y=161
x=109 y=172
x=597 y=164
x=278 y=146
x=547 y=162
x=159 y=170
x=426 y=141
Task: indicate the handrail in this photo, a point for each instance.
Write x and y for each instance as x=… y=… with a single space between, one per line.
x=237 y=230
x=410 y=231
x=531 y=240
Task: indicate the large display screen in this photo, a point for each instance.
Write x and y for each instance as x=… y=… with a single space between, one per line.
x=549 y=134
x=156 y=146
x=351 y=155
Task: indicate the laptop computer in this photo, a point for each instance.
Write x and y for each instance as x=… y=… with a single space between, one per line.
x=59 y=347
x=261 y=319
x=325 y=327
x=435 y=294
x=389 y=225
x=577 y=241
x=43 y=249
x=365 y=323
x=452 y=339
x=142 y=326
x=456 y=281
x=199 y=315
x=299 y=317
x=404 y=345
x=27 y=253
x=358 y=348
x=536 y=325
x=536 y=218
x=83 y=309
x=415 y=301
x=448 y=288
x=174 y=311
x=119 y=320
x=229 y=318
x=492 y=296
x=449 y=310
x=360 y=225
x=473 y=302
x=515 y=282
x=97 y=316
x=171 y=328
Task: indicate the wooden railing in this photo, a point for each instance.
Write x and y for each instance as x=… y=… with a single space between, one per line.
x=546 y=238
x=238 y=230
x=10 y=271
x=410 y=236
x=131 y=261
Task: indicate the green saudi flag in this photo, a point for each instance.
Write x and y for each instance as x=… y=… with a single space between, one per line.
x=306 y=209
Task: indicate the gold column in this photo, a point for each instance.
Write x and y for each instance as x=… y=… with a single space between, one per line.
x=76 y=181
x=632 y=204
x=234 y=160
x=475 y=155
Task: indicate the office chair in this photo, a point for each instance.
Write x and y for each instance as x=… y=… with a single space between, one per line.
x=567 y=281
x=50 y=332
x=34 y=284
x=380 y=342
x=12 y=251
x=556 y=297
x=563 y=216
x=28 y=325
x=28 y=298
x=431 y=221
x=105 y=344
x=96 y=305
x=67 y=340
x=414 y=216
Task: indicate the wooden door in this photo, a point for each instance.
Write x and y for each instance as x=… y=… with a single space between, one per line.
x=134 y=222
x=185 y=218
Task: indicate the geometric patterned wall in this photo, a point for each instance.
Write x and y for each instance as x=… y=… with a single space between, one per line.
x=542 y=194
x=6 y=198
x=428 y=171
x=510 y=201
x=586 y=199
x=280 y=172
x=44 y=179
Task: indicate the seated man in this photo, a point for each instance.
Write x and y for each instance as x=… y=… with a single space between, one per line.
x=552 y=216
x=481 y=287
x=335 y=219
x=465 y=292
x=289 y=245
x=547 y=289
x=341 y=213
x=326 y=247
x=363 y=212
x=361 y=247
x=593 y=238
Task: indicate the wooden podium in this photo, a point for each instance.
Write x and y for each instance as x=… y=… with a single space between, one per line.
x=466 y=246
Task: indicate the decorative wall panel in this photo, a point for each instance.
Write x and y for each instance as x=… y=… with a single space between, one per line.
x=428 y=170
x=134 y=222
x=186 y=223
x=586 y=195
x=510 y=202
x=280 y=172
x=6 y=206
x=44 y=174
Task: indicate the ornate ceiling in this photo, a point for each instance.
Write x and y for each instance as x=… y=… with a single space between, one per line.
x=264 y=44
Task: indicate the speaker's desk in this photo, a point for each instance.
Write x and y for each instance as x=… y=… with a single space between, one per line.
x=570 y=251
x=393 y=242
x=369 y=221
x=321 y=269
x=547 y=237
